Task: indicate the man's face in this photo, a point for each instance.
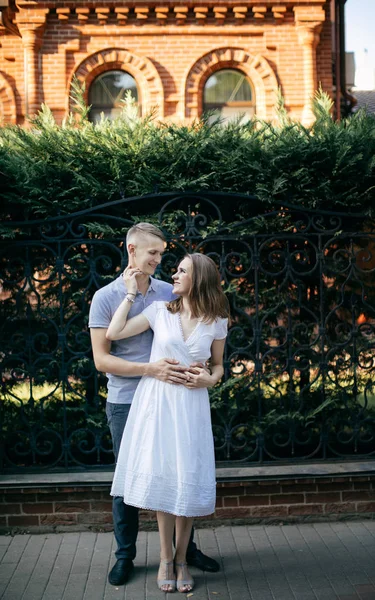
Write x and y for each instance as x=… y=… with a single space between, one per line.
x=146 y=252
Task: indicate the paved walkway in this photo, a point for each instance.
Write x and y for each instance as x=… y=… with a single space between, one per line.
x=325 y=561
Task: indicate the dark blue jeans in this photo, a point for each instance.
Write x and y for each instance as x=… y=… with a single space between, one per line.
x=125 y=517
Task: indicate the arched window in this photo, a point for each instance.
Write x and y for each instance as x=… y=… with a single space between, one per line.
x=106 y=92
x=229 y=94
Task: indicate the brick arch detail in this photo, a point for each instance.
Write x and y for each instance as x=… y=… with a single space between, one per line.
x=8 y=112
x=150 y=87
x=257 y=68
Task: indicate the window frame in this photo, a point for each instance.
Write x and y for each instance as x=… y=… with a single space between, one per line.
x=207 y=106
x=102 y=108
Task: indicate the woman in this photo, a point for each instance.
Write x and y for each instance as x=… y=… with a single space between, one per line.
x=166 y=460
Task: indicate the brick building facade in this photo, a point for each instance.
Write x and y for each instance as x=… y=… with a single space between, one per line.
x=182 y=57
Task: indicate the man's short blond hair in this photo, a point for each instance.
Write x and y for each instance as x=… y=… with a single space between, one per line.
x=142 y=229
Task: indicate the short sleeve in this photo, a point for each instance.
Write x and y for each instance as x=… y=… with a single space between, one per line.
x=221 y=329
x=100 y=311
x=150 y=313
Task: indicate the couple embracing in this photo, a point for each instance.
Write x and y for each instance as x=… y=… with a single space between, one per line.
x=153 y=340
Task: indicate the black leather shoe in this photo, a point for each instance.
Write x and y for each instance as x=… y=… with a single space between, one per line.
x=202 y=562
x=121 y=571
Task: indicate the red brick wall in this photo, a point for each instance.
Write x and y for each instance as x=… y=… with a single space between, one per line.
x=172 y=48
x=85 y=507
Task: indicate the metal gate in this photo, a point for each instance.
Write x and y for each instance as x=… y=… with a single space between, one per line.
x=299 y=361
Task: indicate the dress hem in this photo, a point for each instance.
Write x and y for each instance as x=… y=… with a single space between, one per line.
x=205 y=514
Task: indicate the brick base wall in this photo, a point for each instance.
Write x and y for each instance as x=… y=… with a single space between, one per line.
x=85 y=506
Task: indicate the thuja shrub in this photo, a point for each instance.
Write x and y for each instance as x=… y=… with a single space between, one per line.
x=49 y=169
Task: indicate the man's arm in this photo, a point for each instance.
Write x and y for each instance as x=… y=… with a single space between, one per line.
x=166 y=369
x=201 y=378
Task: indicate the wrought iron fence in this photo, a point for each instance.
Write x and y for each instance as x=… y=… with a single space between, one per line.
x=299 y=361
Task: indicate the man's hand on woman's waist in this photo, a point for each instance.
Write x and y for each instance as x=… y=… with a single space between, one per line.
x=168 y=370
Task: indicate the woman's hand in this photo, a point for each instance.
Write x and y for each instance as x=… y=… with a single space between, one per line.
x=129 y=278
x=199 y=377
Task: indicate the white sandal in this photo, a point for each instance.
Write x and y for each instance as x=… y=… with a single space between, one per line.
x=183 y=583
x=168 y=572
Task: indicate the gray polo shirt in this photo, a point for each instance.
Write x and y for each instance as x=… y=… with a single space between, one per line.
x=137 y=348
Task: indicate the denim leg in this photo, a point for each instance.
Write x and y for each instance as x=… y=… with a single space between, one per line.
x=125 y=517
x=192 y=546
x=125 y=522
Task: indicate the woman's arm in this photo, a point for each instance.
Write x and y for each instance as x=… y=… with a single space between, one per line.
x=119 y=328
x=200 y=378
x=216 y=364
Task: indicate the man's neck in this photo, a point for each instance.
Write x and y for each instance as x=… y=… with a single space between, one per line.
x=143 y=282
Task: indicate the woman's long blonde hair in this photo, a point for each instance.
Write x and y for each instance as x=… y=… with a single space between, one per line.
x=206 y=297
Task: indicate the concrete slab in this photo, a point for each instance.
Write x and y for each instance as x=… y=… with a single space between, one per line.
x=228 y=472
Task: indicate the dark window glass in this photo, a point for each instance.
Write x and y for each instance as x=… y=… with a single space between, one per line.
x=228 y=93
x=107 y=91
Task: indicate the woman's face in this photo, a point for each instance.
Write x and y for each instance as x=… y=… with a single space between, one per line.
x=183 y=277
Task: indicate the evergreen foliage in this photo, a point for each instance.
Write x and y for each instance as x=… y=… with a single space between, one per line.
x=50 y=169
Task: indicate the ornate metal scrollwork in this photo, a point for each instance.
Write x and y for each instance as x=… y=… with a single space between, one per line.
x=300 y=354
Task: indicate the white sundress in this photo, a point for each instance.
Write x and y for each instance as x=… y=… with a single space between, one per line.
x=166 y=460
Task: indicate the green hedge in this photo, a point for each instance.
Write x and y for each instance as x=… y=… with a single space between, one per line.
x=50 y=169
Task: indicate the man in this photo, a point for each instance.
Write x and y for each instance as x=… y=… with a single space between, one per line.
x=125 y=362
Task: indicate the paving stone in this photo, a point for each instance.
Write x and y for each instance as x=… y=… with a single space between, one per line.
x=15 y=549
x=75 y=587
x=367 y=540
x=262 y=595
x=358 y=577
x=365 y=589
x=343 y=587
x=236 y=580
x=97 y=577
x=76 y=583
x=118 y=593
x=42 y=570
x=25 y=567
x=324 y=561
x=326 y=594
x=6 y=573
x=211 y=543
